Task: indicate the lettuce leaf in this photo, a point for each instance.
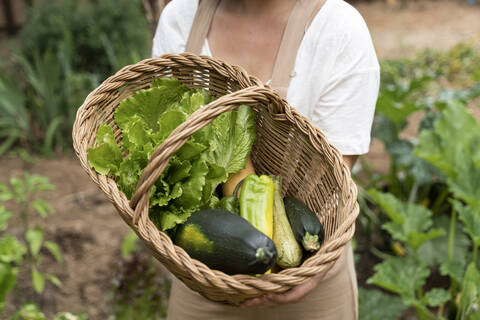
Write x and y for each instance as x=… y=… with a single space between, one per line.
x=193 y=173
x=106 y=158
x=232 y=137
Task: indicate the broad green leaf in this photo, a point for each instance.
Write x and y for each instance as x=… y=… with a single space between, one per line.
x=129 y=244
x=453 y=146
x=19 y=189
x=29 y=311
x=435 y=251
x=168 y=121
x=69 y=316
x=54 y=250
x=105 y=158
x=395 y=107
x=34 y=238
x=42 y=207
x=166 y=218
x=165 y=195
x=5 y=215
x=38 y=281
x=390 y=205
x=402 y=153
x=453 y=269
x=136 y=135
x=148 y=104
x=36 y=182
x=193 y=187
x=410 y=222
x=384 y=129
x=233 y=138
x=105 y=135
x=11 y=250
x=54 y=280
x=190 y=150
x=416 y=239
x=471 y=293
x=436 y=297
x=8 y=278
x=178 y=170
x=195 y=100
x=130 y=171
x=376 y=305
x=212 y=203
x=216 y=175
x=470 y=220
x=5 y=192
x=401 y=275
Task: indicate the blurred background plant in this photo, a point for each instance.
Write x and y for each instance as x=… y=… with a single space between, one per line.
x=67 y=48
x=23 y=255
x=421 y=222
x=139 y=290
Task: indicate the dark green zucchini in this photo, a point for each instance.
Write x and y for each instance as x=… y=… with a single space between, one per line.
x=226 y=242
x=305 y=224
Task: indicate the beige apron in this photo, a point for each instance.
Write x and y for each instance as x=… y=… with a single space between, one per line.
x=335 y=298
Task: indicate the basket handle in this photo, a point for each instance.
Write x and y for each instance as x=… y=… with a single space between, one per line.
x=177 y=138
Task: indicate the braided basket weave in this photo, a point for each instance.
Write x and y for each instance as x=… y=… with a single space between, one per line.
x=287 y=144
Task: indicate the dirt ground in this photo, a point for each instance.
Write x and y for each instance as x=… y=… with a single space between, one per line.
x=88 y=228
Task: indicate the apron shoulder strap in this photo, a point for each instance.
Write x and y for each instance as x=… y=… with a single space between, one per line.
x=201 y=25
x=298 y=22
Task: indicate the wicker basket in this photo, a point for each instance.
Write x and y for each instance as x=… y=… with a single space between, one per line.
x=287 y=145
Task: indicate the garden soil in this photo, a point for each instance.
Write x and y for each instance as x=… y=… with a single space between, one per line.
x=89 y=230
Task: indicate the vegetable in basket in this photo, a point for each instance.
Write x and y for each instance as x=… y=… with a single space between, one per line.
x=206 y=160
x=305 y=224
x=288 y=249
x=256 y=202
x=230 y=202
x=225 y=241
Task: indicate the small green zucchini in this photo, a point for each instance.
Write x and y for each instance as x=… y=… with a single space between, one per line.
x=289 y=251
x=305 y=224
x=226 y=242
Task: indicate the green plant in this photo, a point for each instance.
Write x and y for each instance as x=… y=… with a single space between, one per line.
x=31 y=311
x=411 y=225
x=414 y=88
x=27 y=251
x=15 y=118
x=376 y=305
x=129 y=244
x=432 y=242
x=68 y=48
x=106 y=33
x=17 y=256
x=54 y=92
x=139 y=290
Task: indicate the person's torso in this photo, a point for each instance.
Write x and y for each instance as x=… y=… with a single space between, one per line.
x=305 y=86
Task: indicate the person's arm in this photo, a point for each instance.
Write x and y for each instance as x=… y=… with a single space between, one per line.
x=350 y=161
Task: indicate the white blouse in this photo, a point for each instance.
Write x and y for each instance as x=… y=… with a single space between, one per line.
x=336 y=77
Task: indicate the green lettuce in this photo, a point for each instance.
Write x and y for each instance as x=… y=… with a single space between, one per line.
x=193 y=173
